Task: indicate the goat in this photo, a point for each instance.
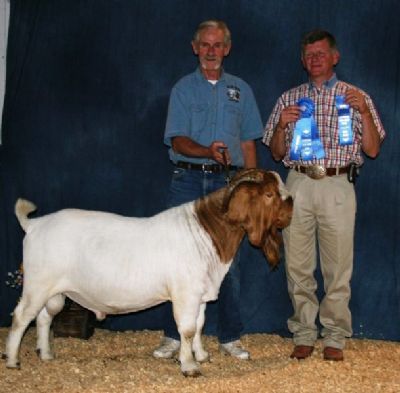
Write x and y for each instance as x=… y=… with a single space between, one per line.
x=112 y=264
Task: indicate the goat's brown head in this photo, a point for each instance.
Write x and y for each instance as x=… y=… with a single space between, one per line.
x=258 y=201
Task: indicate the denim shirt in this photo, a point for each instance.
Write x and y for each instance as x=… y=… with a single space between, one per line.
x=226 y=111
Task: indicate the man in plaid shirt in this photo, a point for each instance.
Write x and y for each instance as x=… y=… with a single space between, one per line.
x=321 y=181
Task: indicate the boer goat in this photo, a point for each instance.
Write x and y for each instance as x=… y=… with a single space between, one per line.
x=112 y=264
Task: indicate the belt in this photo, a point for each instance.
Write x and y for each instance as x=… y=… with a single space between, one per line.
x=207 y=168
x=318 y=171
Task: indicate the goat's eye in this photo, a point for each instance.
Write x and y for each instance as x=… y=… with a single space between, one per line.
x=269 y=194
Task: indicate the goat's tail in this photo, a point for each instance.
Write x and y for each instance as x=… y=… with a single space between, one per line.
x=22 y=209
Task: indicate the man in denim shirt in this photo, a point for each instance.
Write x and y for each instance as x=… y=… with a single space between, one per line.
x=212 y=122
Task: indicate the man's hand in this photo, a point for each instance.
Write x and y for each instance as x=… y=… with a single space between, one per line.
x=290 y=114
x=217 y=151
x=356 y=100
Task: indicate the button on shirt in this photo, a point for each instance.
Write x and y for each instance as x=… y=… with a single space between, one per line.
x=326 y=118
x=226 y=111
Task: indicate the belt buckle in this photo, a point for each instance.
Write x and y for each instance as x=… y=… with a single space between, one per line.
x=203 y=168
x=315 y=172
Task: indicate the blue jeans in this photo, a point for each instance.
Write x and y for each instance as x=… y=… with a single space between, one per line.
x=188 y=185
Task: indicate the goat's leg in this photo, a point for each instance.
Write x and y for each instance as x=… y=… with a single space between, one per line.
x=24 y=313
x=189 y=366
x=185 y=314
x=200 y=354
x=43 y=321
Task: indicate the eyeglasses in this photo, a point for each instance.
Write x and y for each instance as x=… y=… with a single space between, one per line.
x=317 y=55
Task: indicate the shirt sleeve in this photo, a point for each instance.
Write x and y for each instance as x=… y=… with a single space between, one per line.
x=178 y=119
x=273 y=121
x=375 y=116
x=252 y=127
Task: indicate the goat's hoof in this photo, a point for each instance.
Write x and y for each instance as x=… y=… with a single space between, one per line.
x=204 y=359
x=202 y=356
x=192 y=373
x=14 y=366
x=4 y=356
x=44 y=356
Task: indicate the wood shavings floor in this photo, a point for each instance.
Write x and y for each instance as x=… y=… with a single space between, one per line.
x=119 y=362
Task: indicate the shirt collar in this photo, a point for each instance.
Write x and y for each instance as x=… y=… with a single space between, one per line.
x=327 y=84
x=201 y=76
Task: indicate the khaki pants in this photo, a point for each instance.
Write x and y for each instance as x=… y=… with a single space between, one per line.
x=324 y=215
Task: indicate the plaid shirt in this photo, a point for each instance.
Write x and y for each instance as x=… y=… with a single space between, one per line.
x=327 y=121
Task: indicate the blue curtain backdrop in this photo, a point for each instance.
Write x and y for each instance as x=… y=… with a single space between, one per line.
x=86 y=99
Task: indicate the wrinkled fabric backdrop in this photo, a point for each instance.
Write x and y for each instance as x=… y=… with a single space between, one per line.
x=85 y=107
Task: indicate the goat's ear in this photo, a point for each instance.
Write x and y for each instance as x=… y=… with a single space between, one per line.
x=238 y=205
x=271 y=247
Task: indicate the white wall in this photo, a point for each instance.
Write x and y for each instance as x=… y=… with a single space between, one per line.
x=4 y=22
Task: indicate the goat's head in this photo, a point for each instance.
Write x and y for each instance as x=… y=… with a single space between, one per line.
x=258 y=201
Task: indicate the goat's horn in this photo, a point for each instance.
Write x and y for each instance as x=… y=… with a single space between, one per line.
x=250 y=175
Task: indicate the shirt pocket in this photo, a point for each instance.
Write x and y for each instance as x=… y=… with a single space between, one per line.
x=231 y=120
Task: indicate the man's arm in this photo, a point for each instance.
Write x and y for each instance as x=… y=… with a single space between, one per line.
x=188 y=147
x=249 y=153
x=277 y=145
x=370 y=140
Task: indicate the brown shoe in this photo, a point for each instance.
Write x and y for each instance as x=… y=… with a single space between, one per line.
x=334 y=354
x=301 y=352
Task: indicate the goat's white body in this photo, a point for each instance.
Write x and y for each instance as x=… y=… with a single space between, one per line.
x=113 y=264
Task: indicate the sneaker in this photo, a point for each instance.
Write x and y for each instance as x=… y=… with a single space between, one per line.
x=167 y=349
x=235 y=349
